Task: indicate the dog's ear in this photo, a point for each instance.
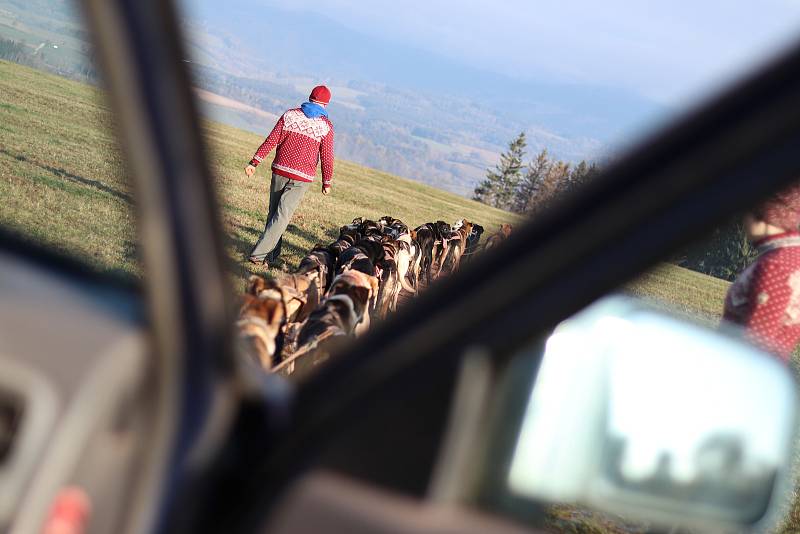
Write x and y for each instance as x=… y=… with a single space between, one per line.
x=247 y=302
x=374 y=284
x=255 y=285
x=360 y=295
x=273 y=311
x=303 y=282
x=336 y=287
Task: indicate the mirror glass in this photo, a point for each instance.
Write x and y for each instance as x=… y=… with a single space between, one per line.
x=641 y=414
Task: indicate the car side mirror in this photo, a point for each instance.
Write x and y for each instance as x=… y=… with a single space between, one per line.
x=639 y=414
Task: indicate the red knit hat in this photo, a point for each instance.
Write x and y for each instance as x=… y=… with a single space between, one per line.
x=320 y=94
x=781 y=209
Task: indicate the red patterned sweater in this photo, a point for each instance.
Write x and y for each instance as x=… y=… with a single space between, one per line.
x=765 y=298
x=301 y=143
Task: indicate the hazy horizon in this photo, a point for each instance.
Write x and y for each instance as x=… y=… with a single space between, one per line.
x=666 y=51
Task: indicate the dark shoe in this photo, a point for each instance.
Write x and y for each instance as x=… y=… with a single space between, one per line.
x=259 y=262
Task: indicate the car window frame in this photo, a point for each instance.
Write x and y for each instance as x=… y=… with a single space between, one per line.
x=189 y=309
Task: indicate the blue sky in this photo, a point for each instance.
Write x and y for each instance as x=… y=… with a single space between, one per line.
x=670 y=51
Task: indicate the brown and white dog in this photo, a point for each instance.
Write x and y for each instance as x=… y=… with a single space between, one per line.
x=408 y=259
x=319 y=261
x=445 y=236
x=299 y=294
x=456 y=246
x=405 y=251
x=390 y=281
x=341 y=315
x=260 y=329
x=344 y=311
x=473 y=240
x=499 y=236
x=425 y=237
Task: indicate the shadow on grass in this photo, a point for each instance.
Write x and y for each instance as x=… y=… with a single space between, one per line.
x=62 y=173
x=244 y=247
x=243 y=238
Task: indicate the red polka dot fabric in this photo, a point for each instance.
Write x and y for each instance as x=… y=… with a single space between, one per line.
x=301 y=143
x=765 y=298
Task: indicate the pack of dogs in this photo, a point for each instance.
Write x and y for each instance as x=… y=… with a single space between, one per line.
x=339 y=289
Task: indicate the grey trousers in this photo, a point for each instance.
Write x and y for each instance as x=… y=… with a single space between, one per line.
x=284 y=197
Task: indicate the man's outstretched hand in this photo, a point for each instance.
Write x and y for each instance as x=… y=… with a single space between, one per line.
x=249 y=170
x=326 y=190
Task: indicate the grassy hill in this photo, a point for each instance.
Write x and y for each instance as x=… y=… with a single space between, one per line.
x=63 y=184
x=63 y=181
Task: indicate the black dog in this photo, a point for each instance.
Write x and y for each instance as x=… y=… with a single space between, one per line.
x=363 y=256
x=425 y=237
x=348 y=236
x=369 y=228
x=321 y=260
x=393 y=227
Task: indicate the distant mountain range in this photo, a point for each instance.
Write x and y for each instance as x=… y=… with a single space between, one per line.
x=394 y=107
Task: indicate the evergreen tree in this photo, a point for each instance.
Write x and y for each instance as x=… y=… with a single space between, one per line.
x=582 y=174
x=500 y=185
x=533 y=188
x=531 y=182
x=578 y=176
x=551 y=186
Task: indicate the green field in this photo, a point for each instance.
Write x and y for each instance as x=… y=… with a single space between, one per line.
x=63 y=181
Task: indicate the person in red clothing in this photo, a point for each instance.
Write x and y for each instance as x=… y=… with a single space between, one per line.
x=303 y=137
x=765 y=298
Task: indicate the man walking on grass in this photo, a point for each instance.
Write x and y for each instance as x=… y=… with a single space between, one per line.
x=303 y=136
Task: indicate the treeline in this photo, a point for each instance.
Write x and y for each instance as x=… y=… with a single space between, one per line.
x=14 y=52
x=528 y=188
x=724 y=253
x=81 y=68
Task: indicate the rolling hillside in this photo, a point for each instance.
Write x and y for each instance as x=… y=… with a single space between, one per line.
x=63 y=181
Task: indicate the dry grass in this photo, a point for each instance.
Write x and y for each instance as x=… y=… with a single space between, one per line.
x=695 y=296
x=63 y=182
